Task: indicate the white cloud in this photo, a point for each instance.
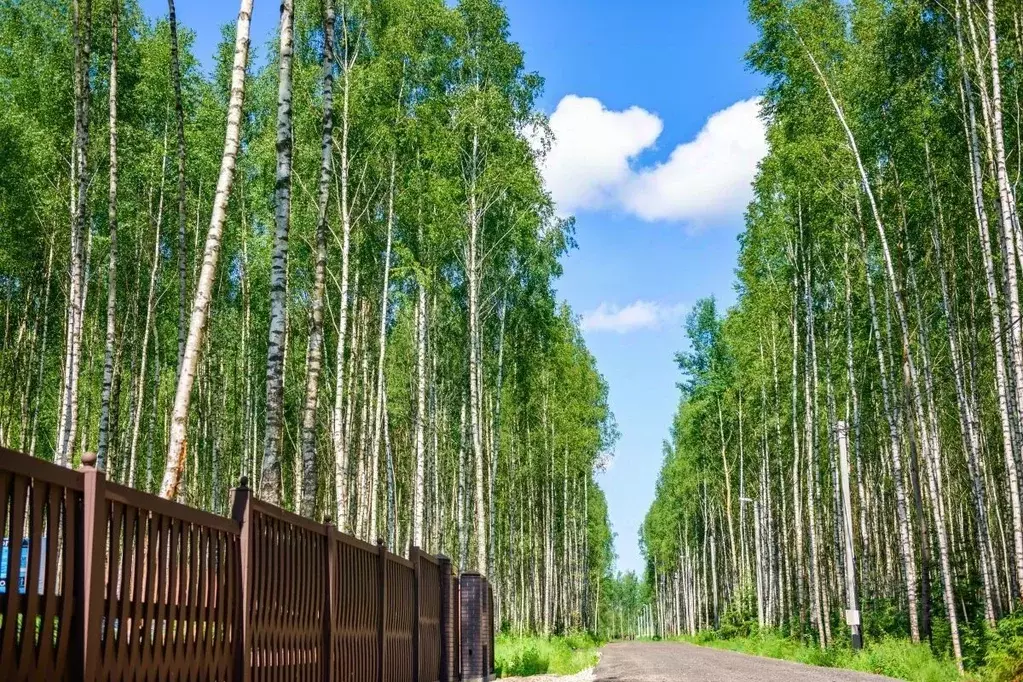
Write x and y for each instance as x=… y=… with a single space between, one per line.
x=707 y=178
x=592 y=162
x=609 y=317
x=589 y=160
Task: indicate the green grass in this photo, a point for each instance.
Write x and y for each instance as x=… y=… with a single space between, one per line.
x=524 y=656
x=891 y=657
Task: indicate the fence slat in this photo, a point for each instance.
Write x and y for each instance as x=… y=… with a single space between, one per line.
x=14 y=597
x=49 y=656
x=37 y=497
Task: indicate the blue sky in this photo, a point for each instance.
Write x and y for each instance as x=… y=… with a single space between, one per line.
x=657 y=141
x=681 y=60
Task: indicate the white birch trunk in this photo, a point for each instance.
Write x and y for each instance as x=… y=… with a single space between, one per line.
x=314 y=352
x=176 y=451
x=111 y=332
x=270 y=483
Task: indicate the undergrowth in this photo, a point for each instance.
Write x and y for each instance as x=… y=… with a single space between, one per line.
x=990 y=654
x=531 y=655
x=891 y=657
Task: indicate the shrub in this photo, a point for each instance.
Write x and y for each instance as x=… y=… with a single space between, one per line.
x=1004 y=661
x=892 y=657
x=524 y=656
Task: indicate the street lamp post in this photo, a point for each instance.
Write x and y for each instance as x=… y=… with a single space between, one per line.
x=852 y=614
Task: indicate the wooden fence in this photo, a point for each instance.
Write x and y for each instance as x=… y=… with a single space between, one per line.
x=103 y=582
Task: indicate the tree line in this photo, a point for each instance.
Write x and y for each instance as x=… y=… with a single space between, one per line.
x=326 y=266
x=878 y=307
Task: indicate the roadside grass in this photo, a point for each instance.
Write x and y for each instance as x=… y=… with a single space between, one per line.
x=990 y=654
x=531 y=655
x=896 y=658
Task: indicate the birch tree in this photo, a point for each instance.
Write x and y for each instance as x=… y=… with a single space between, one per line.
x=177 y=447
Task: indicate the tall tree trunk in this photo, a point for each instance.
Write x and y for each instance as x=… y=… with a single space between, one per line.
x=136 y=420
x=419 y=480
x=68 y=422
x=797 y=497
x=179 y=111
x=270 y=479
x=315 y=350
x=473 y=268
x=378 y=423
x=176 y=450
x=338 y=435
x=108 y=350
x=495 y=440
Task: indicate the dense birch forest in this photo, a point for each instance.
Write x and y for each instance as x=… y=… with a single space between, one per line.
x=325 y=264
x=876 y=338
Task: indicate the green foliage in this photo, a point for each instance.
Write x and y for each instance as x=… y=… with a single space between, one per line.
x=891 y=657
x=524 y=656
x=622 y=598
x=1004 y=660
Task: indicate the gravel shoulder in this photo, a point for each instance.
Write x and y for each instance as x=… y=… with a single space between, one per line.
x=584 y=676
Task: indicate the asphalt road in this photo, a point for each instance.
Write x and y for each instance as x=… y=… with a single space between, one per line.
x=664 y=662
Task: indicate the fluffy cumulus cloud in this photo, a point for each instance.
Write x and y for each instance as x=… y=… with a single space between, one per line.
x=592 y=163
x=608 y=317
x=707 y=178
x=589 y=160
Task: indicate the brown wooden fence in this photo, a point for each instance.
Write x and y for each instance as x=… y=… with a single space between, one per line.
x=103 y=582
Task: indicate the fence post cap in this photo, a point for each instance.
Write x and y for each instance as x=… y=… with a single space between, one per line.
x=243 y=483
x=89 y=459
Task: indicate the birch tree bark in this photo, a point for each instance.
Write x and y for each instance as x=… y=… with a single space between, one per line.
x=270 y=480
x=378 y=423
x=419 y=477
x=350 y=54
x=177 y=446
x=473 y=274
x=68 y=423
x=179 y=111
x=315 y=348
x=108 y=350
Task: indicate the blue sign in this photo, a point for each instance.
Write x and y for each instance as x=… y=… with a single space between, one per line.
x=22 y=565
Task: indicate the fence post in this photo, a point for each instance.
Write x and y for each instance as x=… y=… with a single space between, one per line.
x=329 y=607
x=94 y=537
x=413 y=555
x=448 y=631
x=382 y=623
x=241 y=512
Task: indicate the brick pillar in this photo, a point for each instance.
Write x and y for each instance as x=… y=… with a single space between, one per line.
x=475 y=635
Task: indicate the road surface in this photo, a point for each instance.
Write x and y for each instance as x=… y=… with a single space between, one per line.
x=664 y=662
